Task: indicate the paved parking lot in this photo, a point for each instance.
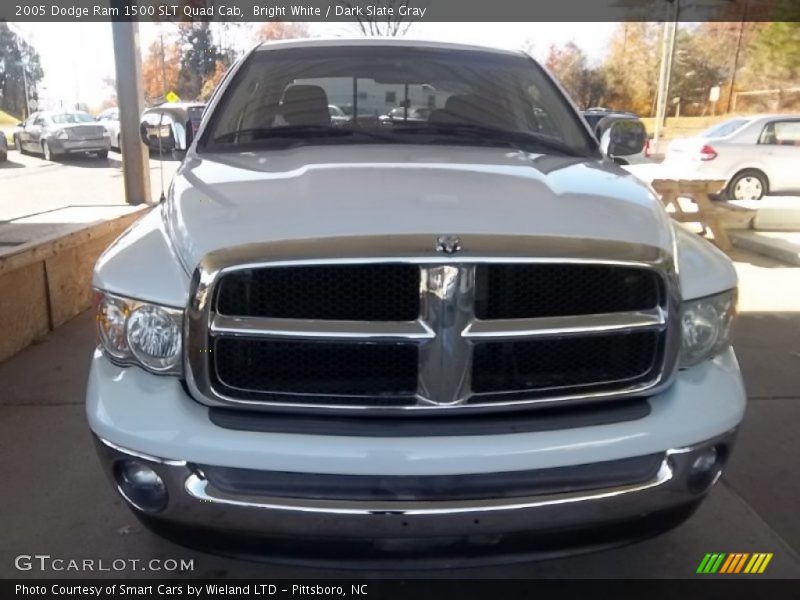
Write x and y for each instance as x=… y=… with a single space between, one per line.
x=56 y=501
x=40 y=198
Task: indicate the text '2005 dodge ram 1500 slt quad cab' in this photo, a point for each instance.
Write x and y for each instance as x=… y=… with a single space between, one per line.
x=468 y=333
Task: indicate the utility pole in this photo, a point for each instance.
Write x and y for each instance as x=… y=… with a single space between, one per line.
x=163 y=69
x=130 y=96
x=25 y=85
x=667 y=51
x=736 y=55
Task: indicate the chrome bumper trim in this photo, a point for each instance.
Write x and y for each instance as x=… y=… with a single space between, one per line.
x=194 y=501
x=199 y=488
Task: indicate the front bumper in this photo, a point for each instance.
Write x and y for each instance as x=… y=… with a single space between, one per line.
x=194 y=501
x=76 y=146
x=150 y=419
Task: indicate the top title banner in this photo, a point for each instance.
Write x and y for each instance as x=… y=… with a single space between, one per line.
x=401 y=10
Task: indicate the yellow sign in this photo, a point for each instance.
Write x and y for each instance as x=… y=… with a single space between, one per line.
x=172 y=97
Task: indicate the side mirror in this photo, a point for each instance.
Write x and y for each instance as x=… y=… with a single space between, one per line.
x=144 y=134
x=20 y=124
x=622 y=137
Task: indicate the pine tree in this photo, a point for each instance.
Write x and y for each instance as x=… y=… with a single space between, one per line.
x=15 y=55
x=199 y=56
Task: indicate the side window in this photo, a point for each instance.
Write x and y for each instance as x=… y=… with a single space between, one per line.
x=781 y=133
x=787 y=133
x=768 y=134
x=538 y=118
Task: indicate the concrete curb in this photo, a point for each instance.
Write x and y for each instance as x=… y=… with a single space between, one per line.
x=774 y=246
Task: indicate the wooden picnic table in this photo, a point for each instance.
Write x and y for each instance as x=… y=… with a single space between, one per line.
x=713 y=216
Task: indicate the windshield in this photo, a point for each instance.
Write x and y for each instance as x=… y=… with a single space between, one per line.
x=71 y=117
x=400 y=95
x=724 y=128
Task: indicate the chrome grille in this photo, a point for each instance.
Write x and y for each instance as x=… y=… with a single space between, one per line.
x=509 y=321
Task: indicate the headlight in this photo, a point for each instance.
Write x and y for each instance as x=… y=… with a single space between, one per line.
x=706 y=325
x=111 y=316
x=61 y=134
x=154 y=337
x=135 y=332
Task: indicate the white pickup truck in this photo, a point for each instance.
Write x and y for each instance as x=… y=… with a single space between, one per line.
x=467 y=335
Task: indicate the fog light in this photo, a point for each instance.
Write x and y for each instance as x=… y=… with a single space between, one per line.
x=705 y=469
x=141 y=486
x=705 y=461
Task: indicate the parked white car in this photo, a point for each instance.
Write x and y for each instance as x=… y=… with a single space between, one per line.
x=431 y=337
x=109 y=118
x=754 y=155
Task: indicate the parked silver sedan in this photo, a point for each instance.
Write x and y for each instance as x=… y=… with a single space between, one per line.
x=755 y=155
x=58 y=133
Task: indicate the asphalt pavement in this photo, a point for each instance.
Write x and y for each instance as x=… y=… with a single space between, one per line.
x=39 y=198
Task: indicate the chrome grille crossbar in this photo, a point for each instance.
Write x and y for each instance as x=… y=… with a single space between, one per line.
x=317 y=329
x=582 y=325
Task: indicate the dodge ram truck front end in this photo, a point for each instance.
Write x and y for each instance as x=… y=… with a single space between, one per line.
x=474 y=334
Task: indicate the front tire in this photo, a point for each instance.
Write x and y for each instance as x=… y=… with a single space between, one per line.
x=749 y=184
x=47 y=152
x=18 y=145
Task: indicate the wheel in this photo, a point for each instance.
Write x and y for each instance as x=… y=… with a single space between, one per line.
x=3 y=157
x=48 y=154
x=748 y=185
x=103 y=154
x=18 y=145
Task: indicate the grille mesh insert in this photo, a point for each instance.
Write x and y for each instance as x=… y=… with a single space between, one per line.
x=528 y=291
x=335 y=368
x=384 y=292
x=563 y=363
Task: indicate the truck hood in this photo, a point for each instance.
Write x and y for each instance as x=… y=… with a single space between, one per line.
x=223 y=200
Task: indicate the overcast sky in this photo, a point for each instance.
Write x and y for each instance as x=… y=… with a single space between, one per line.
x=78 y=57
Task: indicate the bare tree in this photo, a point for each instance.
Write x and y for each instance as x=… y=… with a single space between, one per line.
x=387 y=23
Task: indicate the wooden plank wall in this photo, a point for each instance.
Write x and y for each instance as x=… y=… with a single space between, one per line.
x=45 y=284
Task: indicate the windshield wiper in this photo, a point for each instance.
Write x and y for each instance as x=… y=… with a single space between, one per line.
x=294 y=132
x=519 y=140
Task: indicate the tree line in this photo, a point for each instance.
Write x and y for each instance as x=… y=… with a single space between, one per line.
x=742 y=56
x=20 y=72
x=189 y=59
